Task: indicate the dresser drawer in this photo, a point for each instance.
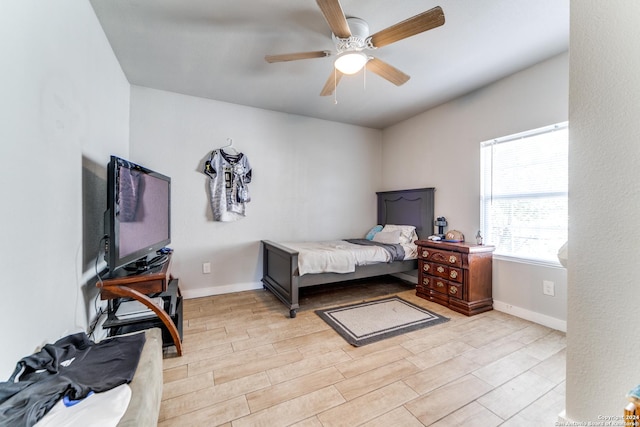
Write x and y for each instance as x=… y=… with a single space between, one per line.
x=455 y=274
x=425 y=281
x=455 y=290
x=444 y=257
x=440 y=270
x=438 y=285
x=425 y=267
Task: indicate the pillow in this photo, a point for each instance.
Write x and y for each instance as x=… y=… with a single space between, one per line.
x=414 y=237
x=387 y=237
x=373 y=231
x=406 y=232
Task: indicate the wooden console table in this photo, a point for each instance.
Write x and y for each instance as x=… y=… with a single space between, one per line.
x=137 y=286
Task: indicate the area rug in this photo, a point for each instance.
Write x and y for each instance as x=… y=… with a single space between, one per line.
x=368 y=322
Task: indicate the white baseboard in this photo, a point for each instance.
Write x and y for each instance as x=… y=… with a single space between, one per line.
x=219 y=290
x=523 y=313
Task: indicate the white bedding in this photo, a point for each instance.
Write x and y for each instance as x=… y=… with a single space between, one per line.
x=339 y=256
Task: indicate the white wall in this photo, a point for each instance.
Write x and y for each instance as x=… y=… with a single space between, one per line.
x=604 y=202
x=64 y=101
x=441 y=148
x=312 y=180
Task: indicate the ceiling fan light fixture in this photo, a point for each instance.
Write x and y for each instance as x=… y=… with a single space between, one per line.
x=350 y=62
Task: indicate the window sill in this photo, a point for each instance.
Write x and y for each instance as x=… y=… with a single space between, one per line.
x=529 y=261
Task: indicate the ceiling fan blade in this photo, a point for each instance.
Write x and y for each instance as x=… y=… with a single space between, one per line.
x=424 y=21
x=295 y=56
x=334 y=15
x=331 y=83
x=387 y=71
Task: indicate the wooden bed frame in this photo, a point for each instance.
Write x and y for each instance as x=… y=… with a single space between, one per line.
x=402 y=207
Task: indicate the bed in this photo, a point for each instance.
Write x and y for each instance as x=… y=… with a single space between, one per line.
x=281 y=272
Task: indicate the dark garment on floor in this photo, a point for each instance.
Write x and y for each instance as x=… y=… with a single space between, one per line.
x=72 y=366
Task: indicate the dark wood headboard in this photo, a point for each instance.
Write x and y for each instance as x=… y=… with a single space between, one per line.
x=408 y=207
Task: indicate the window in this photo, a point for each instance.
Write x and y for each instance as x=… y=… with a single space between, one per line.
x=524 y=192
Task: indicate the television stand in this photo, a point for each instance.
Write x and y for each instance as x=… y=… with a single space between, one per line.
x=138 y=287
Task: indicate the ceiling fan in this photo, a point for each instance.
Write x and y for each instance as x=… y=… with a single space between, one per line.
x=351 y=38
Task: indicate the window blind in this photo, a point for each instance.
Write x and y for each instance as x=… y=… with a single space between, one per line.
x=524 y=193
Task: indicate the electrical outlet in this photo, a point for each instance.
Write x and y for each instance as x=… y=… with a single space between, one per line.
x=548 y=288
x=206 y=267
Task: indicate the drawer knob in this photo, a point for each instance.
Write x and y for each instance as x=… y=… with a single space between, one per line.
x=440 y=269
x=453 y=290
x=425 y=281
x=453 y=274
x=425 y=254
x=453 y=259
x=440 y=284
x=426 y=267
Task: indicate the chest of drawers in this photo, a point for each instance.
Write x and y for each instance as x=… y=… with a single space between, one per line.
x=456 y=275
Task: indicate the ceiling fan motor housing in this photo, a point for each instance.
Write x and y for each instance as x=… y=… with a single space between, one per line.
x=359 y=39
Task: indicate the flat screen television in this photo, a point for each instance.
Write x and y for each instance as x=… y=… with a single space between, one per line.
x=137 y=221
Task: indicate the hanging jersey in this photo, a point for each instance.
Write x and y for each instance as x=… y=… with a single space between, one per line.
x=229 y=175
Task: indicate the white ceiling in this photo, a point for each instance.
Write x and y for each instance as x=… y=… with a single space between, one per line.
x=215 y=49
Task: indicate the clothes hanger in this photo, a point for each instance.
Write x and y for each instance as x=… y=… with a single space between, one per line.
x=229 y=146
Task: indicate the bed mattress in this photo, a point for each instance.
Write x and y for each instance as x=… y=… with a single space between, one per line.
x=340 y=256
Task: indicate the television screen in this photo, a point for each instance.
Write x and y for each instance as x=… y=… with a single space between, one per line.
x=138 y=216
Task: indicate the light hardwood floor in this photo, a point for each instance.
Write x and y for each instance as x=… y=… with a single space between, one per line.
x=245 y=363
